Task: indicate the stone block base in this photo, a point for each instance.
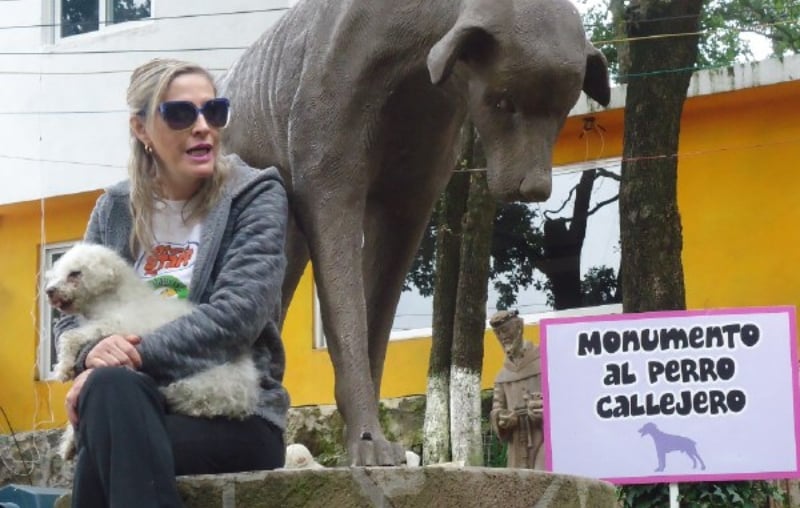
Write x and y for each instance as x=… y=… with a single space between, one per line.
x=396 y=487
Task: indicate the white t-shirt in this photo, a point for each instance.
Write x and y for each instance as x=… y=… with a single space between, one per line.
x=169 y=265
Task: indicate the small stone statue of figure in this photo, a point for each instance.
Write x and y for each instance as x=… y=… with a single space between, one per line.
x=516 y=415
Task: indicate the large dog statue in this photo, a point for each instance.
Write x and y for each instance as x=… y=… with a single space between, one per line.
x=359 y=104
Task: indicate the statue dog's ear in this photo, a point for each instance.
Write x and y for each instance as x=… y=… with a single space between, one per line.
x=462 y=42
x=595 y=82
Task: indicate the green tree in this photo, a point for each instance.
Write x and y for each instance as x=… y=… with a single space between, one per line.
x=723 y=23
x=464 y=217
x=527 y=244
x=446 y=225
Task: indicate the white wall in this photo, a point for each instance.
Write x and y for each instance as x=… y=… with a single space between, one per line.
x=66 y=133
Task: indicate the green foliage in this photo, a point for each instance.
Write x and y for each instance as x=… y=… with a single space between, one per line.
x=599 y=24
x=494 y=450
x=723 y=25
x=644 y=496
x=420 y=275
x=745 y=494
x=601 y=286
x=516 y=247
x=776 y=20
x=722 y=41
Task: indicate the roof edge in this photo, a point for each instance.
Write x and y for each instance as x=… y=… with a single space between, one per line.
x=739 y=76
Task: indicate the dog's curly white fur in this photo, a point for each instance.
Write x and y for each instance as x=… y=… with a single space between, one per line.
x=96 y=284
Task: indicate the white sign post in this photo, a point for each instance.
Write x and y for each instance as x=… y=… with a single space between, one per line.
x=669 y=397
x=673 y=495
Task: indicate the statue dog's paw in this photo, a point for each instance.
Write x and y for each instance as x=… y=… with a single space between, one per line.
x=376 y=451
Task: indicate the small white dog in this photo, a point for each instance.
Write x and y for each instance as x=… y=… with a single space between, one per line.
x=95 y=283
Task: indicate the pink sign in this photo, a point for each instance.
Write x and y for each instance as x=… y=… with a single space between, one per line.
x=673 y=396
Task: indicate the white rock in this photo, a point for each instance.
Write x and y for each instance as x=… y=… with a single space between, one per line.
x=412 y=459
x=298 y=457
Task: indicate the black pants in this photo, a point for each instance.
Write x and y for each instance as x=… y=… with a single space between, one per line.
x=130 y=448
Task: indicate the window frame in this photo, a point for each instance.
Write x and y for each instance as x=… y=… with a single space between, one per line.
x=104 y=21
x=46 y=350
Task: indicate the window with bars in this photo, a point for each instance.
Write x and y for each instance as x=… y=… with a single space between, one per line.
x=48 y=316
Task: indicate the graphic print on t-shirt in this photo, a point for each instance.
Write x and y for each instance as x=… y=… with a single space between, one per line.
x=168 y=268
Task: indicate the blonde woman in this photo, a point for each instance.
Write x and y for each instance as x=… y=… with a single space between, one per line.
x=199 y=225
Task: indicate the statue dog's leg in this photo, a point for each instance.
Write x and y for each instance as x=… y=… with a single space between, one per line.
x=332 y=223
x=296 y=261
x=391 y=239
x=393 y=229
x=419 y=138
x=389 y=247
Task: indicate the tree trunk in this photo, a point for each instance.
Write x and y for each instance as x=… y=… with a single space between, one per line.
x=617 y=8
x=436 y=427
x=470 y=319
x=650 y=225
x=563 y=246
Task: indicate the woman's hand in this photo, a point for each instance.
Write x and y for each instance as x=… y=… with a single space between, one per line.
x=115 y=351
x=73 y=394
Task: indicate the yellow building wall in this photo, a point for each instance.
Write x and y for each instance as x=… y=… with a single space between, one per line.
x=29 y=403
x=737 y=195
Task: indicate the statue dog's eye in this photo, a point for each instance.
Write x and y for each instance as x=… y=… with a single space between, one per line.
x=504 y=103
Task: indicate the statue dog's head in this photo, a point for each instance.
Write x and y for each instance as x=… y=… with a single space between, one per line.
x=526 y=62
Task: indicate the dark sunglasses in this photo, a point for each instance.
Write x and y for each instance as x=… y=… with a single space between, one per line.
x=180 y=115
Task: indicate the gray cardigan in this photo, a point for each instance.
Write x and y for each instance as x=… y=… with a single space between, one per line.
x=235 y=286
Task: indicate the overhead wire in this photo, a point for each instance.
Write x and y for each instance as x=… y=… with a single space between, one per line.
x=689 y=34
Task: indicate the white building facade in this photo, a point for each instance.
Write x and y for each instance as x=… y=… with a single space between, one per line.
x=64 y=71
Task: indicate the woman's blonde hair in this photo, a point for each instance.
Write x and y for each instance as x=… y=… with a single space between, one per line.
x=148 y=86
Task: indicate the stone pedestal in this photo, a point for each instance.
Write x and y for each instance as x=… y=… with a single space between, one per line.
x=397 y=487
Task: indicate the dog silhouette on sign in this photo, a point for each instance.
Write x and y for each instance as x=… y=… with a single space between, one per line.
x=666 y=443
